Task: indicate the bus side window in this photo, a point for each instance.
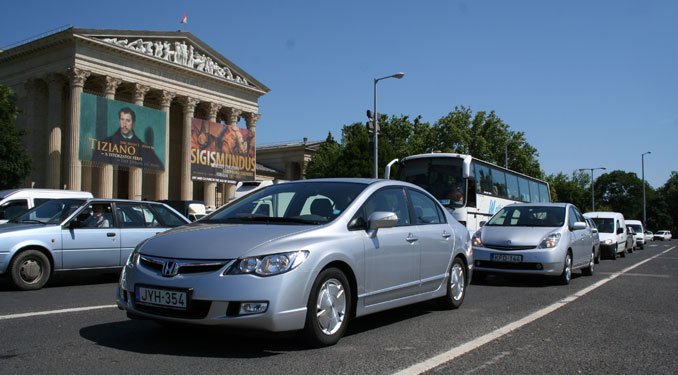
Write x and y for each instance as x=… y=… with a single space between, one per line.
x=471 y=193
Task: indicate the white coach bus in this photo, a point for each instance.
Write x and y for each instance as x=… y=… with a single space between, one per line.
x=472 y=189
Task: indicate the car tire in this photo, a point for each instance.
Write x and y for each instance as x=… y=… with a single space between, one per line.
x=30 y=270
x=329 y=309
x=588 y=270
x=614 y=253
x=566 y=276
x=597 y=261
x=623 y=254
x=456 y=286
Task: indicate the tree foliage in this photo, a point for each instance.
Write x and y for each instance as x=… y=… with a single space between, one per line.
x=482 y=135
x=16 y=164
x=574 y=189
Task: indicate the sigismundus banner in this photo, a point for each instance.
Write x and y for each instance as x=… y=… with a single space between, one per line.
x=121 y=134
x=221 y=153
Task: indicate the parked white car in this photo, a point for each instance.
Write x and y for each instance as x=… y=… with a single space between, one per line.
x=649 y=236
x=14 y=202
x=639 y=229
x=612 y=232
x=663 y=235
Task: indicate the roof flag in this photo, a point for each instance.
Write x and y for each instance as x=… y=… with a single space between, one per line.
x=184 y=18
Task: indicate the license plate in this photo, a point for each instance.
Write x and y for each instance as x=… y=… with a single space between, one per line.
x=176 y=299
x=512 y=258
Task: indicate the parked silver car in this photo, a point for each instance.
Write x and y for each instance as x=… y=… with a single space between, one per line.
x=306 y=255
x=540 y=239
x=596 y=238
x=77 y=234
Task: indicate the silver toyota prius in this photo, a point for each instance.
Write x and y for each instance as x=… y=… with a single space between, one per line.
x=302 y=256
x=535 y=238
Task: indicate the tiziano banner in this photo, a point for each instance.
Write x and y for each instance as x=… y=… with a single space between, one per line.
x=221 y=153
x=121 y=134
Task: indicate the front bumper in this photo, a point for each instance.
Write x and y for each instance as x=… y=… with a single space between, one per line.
x=215 y=299
x=534 y=261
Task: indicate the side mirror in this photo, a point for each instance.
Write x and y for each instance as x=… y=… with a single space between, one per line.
x=579 y=225
x=382 y=219
x=620 y=230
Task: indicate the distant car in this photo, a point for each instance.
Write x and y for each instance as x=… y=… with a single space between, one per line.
x=639 y=230
x=649 y=236
x=320 y=253
x=77 y=234
x=612 y=232
x=15 y=202
x=630 y=239
x=192 y=209
x=663 y=235
x=596 y=238
x=535 y=238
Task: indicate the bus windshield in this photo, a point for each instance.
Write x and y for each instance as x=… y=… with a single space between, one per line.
x=441 y=177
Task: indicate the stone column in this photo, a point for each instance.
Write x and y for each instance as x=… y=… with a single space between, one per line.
x=186 y=182
x=162 y=179
x=77 y=82
x=55 y=88
x=232 y=117
x=251 y=120
x=135 y=174
x=105 y=186
x=210 y=187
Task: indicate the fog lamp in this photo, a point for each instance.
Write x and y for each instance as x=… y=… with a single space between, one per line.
x=247 y=308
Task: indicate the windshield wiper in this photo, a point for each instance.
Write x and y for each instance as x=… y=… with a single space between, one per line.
x=32 y=221
x=253 y=218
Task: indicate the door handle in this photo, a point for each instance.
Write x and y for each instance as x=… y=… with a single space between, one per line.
x=446 y=235
x=110 y=234
x=411 y=238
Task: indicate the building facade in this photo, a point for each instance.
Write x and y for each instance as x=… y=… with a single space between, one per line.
x=183 y=99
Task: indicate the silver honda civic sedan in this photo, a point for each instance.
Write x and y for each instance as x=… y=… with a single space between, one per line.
x=535 y=238
x=302 y=256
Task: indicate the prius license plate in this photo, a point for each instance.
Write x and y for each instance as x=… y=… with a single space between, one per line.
x=510 y=258
x=175 y=299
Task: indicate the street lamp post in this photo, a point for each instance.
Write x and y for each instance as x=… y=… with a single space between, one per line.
x=375 y=120
x=642 y=159
x=593 y=204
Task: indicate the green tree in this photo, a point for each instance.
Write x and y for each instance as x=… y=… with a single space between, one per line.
x=664 y=208
x=327 y=158
x=572 y=189
x=620 y=191
x=16 y=163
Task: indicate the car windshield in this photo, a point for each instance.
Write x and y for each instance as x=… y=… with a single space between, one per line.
x=605 y=225
x=529 y=216
x=295 y=203
x=51 y=212
x=636 y=227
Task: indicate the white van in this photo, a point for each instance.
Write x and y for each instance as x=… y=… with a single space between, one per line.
x=14 y=202
x=637 y=225
x=612 y=232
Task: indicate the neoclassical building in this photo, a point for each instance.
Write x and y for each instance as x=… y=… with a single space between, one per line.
x=196 y=113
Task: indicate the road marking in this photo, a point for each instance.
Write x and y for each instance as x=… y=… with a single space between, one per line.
x=462 y=349
x=52 y=312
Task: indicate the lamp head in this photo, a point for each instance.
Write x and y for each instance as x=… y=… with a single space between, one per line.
x=398 y=75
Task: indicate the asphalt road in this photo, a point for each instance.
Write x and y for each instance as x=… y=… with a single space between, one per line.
x=622 y=320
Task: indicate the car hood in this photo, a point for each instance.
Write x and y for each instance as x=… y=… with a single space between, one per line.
x=9 y=229
x=518 y=236
x=217 y=241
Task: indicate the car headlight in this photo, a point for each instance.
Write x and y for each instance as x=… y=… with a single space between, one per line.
x=550 y=241
x=134 y=257
x=268 y=265
x=475 y=241
x=608 y=241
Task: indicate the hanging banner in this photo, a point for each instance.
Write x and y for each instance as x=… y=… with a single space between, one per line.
x=221 y=153
x=122 y=134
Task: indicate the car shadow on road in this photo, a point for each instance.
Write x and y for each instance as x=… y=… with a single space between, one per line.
x=148 y=337
x=64 y=279
x=519 y=281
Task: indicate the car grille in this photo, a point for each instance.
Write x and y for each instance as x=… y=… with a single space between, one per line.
x=197 y=309
x=508 y=266
x=184 y=266
x=508 y=247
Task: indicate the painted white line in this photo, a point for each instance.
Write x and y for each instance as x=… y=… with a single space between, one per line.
x=52 y=312
x=453 y=353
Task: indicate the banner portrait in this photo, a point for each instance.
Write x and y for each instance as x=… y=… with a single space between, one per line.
x=121 y=133
x=221 y=153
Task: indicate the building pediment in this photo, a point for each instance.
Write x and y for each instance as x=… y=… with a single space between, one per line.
x=178 y=48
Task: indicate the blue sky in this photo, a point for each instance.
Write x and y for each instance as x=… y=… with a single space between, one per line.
x=591 y=83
